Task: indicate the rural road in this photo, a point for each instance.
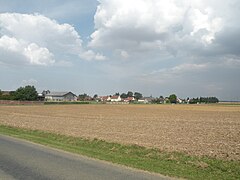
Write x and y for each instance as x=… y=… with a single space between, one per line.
x=23 y=160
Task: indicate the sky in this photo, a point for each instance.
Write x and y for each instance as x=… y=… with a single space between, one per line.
x=156 y=47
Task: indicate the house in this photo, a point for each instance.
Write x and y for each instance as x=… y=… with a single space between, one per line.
x=88 y=98
x=146 y=100
x=41 y=97
x=181 y=101
x=104 y=98
x=166 y=100
x=116 y=99
x=129 y=99
x=161 y=100
x=60 y=96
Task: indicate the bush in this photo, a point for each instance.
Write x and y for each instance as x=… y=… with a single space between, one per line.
x=66 y=102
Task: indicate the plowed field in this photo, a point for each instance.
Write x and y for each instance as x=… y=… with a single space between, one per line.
x=195 y=129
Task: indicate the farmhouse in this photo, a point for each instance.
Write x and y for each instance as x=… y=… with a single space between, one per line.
x=60 y=96
x=146 y=100
x=104 y=98
x=129 y=99
x=116 y=99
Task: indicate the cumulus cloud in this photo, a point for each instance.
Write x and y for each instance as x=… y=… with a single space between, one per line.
x=90 y=55
x=120 y=24
x=173 y=41
x=198 y=28
x=37 y=40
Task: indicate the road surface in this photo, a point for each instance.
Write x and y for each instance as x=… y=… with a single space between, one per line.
x=23 y=160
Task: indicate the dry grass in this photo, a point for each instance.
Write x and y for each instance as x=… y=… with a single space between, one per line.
x=195 y=129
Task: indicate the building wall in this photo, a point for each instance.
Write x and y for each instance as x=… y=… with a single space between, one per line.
x=69 y=97
x=48 y=98
x=58 y=98
x=116 y=100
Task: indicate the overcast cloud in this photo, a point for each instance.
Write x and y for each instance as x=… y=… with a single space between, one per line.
x=158 y=47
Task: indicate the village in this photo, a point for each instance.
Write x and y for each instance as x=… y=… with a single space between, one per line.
x=29 y=93
x=124 y=98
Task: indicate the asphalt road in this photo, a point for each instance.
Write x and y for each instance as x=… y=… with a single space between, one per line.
x=23 y=160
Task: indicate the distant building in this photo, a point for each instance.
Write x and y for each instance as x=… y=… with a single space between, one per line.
x=103 y=98
x=129 y=99
x=146 y=100
x=116 y=99
x=60 y=96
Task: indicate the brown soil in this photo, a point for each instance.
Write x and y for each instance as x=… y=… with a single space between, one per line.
x=194 y=129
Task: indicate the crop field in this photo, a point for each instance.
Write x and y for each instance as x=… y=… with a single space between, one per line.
x=212 y=130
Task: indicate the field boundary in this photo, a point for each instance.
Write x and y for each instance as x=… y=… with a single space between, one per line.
x=171 y=164
x=12 y=102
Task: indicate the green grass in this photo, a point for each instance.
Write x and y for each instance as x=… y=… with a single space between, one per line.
x=172 y=164
x=65 y=102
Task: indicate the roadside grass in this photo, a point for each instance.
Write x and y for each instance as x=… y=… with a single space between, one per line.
x=173 y=164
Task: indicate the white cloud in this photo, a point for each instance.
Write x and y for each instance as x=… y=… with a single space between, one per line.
x=23 y=51
x=129 y=25
x=37 y=55
x=38 y=40
x=124 y=54
x=90 y=55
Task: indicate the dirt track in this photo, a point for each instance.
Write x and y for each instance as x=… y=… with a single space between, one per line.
x=195 y=129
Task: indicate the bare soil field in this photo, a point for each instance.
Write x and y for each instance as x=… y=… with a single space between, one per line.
x=195 y=129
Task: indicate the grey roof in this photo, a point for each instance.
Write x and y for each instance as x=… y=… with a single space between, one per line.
x=58 y=93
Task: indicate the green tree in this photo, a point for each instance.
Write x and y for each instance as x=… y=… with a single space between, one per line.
x=82 y=97
x=138 y=95
x=129 y=94
x=27 y=93
x=173 y=98
x=124 y=95
x=95 y=96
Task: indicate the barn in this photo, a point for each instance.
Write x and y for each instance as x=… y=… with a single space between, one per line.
x=60 y=96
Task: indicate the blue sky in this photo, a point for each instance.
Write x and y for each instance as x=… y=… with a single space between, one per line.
x=155 y=47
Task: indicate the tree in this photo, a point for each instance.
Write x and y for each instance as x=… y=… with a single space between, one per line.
x=116 y=94
x=95 y=96
x=0 y=92
x=204 y=100
x=27 y=93
x=129 y=94
x=138 y=95
x=82 y=97
x=124 y=95
x=173 y=98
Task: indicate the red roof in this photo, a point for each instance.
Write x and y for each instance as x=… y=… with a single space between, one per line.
x=103 y=97
x=130 y=98
x=114 y=97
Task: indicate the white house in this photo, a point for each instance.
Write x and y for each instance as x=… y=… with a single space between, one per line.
x=104 y=98
x=60 y=96
x=146 y=100
x=116 y=99
x=129 y=99
x=180 y=101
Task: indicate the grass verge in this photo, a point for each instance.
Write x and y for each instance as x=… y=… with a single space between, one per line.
x=171 y=164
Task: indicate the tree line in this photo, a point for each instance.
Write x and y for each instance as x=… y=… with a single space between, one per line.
x=205 y=100
x=27 y=93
